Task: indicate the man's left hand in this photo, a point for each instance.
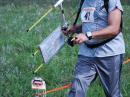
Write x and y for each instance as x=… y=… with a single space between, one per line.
x=80 y=38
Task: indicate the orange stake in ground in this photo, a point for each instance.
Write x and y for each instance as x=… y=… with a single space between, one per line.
x=127 y=61
x=54 y=90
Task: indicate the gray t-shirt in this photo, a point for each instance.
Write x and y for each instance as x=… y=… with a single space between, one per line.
x=95 y=18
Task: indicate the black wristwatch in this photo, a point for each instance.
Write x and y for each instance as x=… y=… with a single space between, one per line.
x=89 y=35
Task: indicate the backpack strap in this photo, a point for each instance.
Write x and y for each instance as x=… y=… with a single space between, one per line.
x=99 y=44
x=106 y=5
x=78 y=13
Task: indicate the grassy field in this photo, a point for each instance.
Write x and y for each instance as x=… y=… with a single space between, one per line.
x=17 y=45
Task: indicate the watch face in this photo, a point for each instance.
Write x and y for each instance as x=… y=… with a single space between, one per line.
x=89 y=35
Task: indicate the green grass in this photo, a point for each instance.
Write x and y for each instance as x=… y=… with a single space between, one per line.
x=17 y=46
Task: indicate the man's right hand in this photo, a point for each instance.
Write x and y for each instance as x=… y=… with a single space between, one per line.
x=70 y=30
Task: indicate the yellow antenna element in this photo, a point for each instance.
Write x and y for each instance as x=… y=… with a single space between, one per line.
x=40 y=19
x=56 y=5
x=38 y=68
x=36 y=52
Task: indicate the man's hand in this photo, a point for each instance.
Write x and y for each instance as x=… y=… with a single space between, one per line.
x=70 y=30
x=80 y=38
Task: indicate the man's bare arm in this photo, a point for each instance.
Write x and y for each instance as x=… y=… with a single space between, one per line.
x=113 y=28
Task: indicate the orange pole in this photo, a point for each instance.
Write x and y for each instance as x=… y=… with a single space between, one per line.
x=127 y=61
x=54 y=90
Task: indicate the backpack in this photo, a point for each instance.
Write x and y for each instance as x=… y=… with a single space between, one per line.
x=106 y=6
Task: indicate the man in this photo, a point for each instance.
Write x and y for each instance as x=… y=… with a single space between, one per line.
x=103 y=59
